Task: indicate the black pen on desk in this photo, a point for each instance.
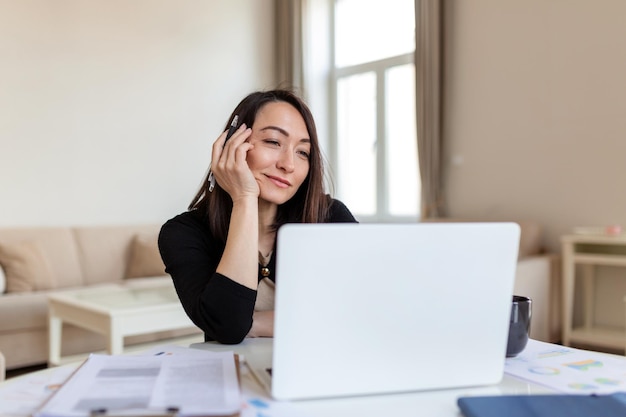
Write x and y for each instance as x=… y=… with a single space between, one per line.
x=103 y=412
x=231 y=130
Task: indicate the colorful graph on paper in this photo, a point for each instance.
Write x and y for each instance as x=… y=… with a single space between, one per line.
x=569 y=370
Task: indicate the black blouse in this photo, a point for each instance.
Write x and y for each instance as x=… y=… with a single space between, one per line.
x=219 y=306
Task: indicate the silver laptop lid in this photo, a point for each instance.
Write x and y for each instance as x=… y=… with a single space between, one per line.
x=379 y=308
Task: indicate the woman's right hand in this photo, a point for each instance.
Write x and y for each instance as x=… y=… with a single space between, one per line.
x=230 y=167
x=239 y=261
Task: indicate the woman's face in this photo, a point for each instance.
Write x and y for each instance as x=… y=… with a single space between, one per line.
x=279 y=160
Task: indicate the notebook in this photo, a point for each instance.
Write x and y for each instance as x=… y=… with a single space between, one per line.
x=365 y=309
x=544 y=405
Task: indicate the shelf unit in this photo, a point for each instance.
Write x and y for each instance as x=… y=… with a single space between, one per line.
x=589 y=251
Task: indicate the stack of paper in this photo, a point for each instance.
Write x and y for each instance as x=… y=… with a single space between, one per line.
x=187 y=382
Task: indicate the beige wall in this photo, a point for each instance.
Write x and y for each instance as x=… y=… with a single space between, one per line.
x=536 y=111
x=535 y=116
x=108 y=108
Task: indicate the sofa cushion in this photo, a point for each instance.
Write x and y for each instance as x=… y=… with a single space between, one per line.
x=105 y=250
x=145 y=259
x=23 y=312
x=26 y=267
x=57 y=246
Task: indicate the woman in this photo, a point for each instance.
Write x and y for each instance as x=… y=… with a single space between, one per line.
x=220 y=253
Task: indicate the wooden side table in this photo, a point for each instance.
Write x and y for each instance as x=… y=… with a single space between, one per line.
x=589 y=251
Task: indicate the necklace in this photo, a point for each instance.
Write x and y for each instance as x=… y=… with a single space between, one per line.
x=264 y=261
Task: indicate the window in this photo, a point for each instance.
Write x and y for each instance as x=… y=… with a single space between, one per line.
x=374 y=150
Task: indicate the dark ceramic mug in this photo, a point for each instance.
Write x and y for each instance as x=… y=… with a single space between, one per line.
x=519 y=327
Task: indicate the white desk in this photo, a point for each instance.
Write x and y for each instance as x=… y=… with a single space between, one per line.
x=441 y=403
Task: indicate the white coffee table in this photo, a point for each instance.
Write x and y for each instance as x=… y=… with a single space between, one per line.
x=115 y=311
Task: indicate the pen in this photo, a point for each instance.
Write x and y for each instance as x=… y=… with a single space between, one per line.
x=231 y=130
x=103 y=412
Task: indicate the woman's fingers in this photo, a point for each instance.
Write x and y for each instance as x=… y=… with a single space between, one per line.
x=229 y=162
x=236 y=134
x=219 y=146
x=236 y=144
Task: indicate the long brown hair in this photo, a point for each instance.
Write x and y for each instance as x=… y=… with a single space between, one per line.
x=309 y=204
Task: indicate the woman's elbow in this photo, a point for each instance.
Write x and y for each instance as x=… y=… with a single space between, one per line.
x=230 y=334
x=231 y=337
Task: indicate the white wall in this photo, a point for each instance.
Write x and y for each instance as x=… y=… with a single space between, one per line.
x=108 y=108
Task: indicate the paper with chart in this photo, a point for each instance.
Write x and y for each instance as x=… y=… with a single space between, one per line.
x=569 y=370
x=196 y=385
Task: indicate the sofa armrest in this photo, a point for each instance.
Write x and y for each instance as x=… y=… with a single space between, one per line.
x=538 y=277
x=2 y=367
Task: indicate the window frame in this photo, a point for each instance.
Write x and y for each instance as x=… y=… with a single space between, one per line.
x=379 y=68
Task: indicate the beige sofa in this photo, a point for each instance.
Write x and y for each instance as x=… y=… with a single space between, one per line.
x=38 y=260
x=538 y=277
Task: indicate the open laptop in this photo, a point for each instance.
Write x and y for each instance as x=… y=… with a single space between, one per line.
x=382 y=308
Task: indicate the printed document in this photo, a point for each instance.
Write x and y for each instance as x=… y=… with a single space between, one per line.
x=195 y=385
x=569 y=370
